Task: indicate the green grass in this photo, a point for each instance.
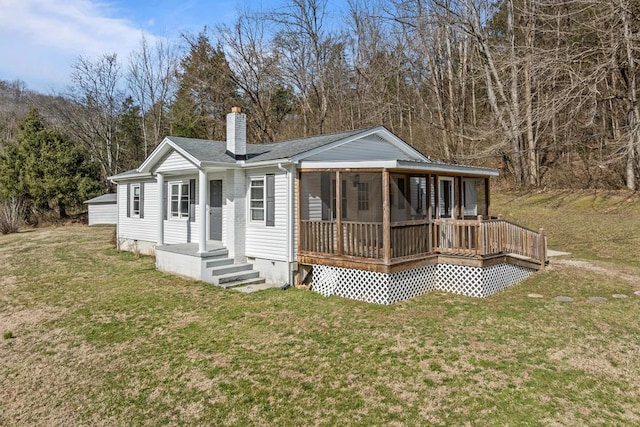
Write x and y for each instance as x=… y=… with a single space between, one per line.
x=101 y=338
x=591 y=225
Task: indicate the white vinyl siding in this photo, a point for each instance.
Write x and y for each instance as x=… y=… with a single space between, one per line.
x=313 y=202
x=264 y=241
x=138 y=228
x=369 y=148
x=174 y=162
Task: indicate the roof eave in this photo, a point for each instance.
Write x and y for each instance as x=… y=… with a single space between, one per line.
x=128 y=176
x=448 y=168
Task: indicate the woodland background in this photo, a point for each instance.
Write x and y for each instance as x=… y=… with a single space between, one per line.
x=544 y=90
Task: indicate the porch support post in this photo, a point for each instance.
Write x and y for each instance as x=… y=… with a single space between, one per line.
x=338 y=213
x=162 y=204
x=436 y=198
x=386 y=217
x=487 y=196
x=202 y=196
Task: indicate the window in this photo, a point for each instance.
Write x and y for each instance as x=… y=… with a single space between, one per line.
x=446 y=197
x=135 y=200
x=257 y=200
x=262 y=203
x=363 y=196
x=179 y=196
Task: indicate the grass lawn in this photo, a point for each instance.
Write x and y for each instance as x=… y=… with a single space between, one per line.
x=96 y=337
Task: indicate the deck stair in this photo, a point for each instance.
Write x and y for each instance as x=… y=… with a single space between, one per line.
x=221 y=271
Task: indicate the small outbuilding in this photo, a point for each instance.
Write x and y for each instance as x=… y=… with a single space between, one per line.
x=103 y=210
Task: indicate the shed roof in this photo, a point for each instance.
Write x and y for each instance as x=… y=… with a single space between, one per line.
x=105 y=198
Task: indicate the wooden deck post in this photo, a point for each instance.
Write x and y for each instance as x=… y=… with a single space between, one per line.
x=386 y=217
x=338 y=213
x=487 y=197
x=543 y=249
x=301 y=234
x=429 y=214
x=479 y=238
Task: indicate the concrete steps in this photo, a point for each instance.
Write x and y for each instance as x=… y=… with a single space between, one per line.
x=221 y=271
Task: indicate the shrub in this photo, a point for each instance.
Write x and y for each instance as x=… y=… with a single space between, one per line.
x=12 y=212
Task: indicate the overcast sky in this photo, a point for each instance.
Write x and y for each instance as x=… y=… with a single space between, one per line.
x=40 y=39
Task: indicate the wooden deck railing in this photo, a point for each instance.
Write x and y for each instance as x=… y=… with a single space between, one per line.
x=473 y=238
x=362 y=239
x=485 y=238
x=318 y=236
x=410 y=238
x=500 y=236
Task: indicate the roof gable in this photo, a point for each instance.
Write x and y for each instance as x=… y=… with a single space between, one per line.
x=373 y=144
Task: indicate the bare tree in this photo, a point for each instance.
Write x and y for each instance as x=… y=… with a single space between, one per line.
x=151 y=77
x=306 y=48
x=255 y=70
x=97 y=97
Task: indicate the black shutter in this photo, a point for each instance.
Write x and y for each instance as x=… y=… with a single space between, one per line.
x=325 y=195
x=271 y=199
x=141 y=205
x=165 y=201
x=128 y=200
x=192 y=200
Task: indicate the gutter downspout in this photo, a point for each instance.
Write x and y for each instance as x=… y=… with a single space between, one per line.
x=290 y=205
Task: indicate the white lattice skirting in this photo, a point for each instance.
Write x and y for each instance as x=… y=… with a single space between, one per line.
x=388 y=288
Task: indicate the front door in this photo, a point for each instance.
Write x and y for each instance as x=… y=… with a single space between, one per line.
x=215 y=209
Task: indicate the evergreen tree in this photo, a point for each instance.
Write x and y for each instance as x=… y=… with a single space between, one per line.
x=45 y=168
x=205 y=94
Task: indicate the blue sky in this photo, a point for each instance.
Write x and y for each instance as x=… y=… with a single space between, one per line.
x=40 y=39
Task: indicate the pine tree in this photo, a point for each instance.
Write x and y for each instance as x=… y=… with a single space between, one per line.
x=46 y=169
x=206 y=92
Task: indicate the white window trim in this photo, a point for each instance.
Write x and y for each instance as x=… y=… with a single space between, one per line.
x=132 y=196
x=181 y=215
x=451 y=195
x=264 y=200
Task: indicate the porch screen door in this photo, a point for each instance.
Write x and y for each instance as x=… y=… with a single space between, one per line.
x=445 y=196
x=215 y=209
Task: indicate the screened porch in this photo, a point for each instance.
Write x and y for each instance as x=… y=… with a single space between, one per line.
x=380 y=218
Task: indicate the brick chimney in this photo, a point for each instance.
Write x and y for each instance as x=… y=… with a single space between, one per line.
x=237 y=134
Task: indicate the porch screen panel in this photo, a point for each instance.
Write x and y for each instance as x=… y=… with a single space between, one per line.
x=317 y=228
x=407 y=197
x=362 y=214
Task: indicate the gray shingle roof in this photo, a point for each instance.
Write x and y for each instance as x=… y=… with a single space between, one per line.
x=215 y=151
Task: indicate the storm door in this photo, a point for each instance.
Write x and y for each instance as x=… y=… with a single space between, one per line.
x=215 y=209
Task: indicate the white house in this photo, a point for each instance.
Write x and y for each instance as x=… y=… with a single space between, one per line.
x=359 y=213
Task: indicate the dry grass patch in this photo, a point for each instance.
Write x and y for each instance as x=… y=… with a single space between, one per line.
x=101 y=338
